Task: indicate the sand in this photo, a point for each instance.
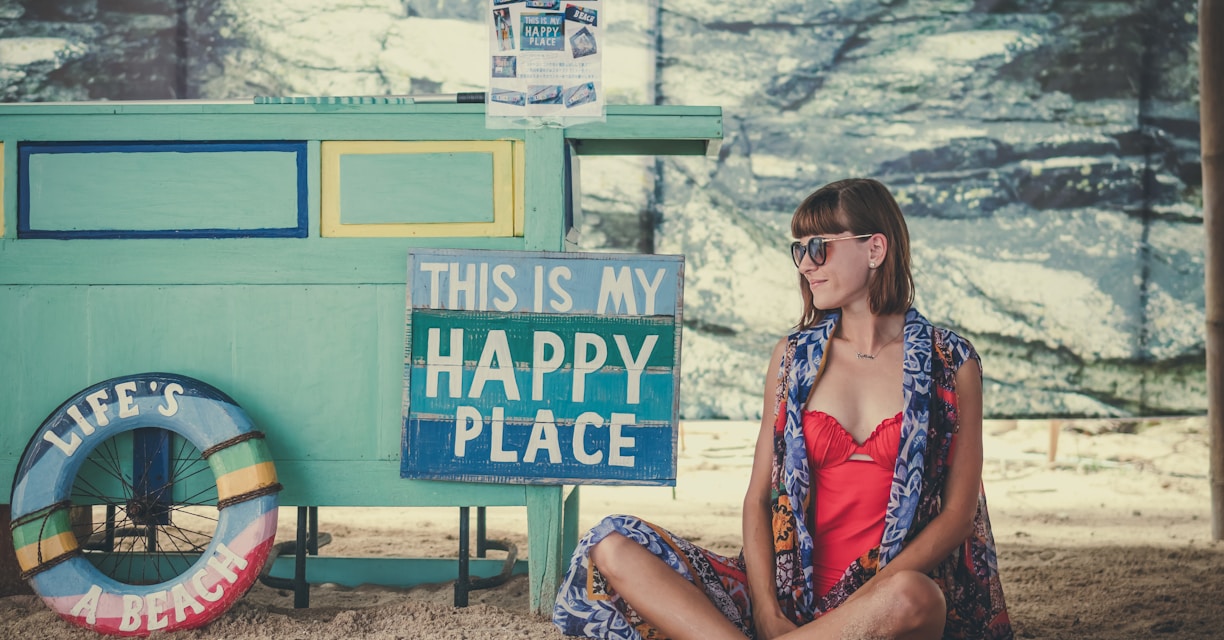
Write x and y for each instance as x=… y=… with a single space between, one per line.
x=1111 y=540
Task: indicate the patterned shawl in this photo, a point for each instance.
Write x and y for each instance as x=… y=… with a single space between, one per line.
x=969 y=576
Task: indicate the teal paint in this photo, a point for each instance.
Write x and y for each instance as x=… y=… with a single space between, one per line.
x=307 y=334
x=306 y=123
x=392 y=572
x=36 y=387
x=314 y=173
x=376 y=483
x=569 y=525
x=221 y=261
x=137 y=190
x=385 y=188
x=8 y=195
x=647 y=125
x=545 y=506
x=302 y=360
x=544 y=228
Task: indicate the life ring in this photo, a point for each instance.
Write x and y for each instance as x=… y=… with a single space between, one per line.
x=48 y=551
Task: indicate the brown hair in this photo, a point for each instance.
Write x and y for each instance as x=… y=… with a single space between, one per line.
x=859 y=206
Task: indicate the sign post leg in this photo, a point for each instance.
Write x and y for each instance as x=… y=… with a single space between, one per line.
x=544 y=532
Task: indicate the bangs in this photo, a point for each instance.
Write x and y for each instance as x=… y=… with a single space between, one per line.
x=819 y=215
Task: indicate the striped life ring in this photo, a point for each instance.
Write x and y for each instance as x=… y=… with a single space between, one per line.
x=60 y=570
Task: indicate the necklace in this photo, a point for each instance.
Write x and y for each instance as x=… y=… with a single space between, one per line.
x=872 y=356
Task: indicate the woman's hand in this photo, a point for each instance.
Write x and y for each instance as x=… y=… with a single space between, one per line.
x=770 y=626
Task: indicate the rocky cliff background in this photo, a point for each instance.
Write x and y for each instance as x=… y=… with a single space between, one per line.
x=1046 y=155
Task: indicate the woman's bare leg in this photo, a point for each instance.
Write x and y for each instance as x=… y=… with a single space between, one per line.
x=904 y=606
x=663 y=597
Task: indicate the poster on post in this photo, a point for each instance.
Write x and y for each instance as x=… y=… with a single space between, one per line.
x=545 y=66
x=542 y=367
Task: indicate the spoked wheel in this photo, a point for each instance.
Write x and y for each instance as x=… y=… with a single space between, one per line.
x=144 y=503
x=151 y=506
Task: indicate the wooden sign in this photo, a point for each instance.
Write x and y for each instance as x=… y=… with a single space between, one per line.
x=542 y=368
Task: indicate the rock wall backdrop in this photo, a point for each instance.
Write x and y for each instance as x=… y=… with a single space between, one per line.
x=1046 y=155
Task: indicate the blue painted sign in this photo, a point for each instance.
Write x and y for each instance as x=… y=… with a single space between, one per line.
x=542 y=368
x=543 y=32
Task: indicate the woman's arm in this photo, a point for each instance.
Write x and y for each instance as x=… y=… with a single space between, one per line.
x=758 y=519
x=954 y=523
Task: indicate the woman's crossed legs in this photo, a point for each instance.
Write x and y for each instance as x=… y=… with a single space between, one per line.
x=903 y=606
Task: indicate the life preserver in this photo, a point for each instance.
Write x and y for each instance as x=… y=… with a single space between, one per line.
x=47 y=549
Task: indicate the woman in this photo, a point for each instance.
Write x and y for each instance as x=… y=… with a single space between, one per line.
x=864 y=515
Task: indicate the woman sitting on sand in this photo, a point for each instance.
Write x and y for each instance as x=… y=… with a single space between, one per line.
x=864 y=515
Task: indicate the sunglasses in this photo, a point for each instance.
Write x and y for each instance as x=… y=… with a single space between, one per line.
x=816 y=250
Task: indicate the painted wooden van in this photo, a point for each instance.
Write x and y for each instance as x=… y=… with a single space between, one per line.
x=261 y=248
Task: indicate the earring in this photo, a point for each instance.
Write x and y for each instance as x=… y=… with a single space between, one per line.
x=871 y=264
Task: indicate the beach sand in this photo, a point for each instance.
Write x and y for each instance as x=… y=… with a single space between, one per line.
x=1111 y=540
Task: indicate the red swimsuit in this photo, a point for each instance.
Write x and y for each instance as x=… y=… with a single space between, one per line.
x=851 y=495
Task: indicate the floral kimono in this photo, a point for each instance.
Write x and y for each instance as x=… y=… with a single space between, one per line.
x=968 y=577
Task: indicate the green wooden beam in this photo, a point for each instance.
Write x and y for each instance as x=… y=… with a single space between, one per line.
x=342 y=570
x=135 y=121
x=391 y=572
x=545 y=191
x=228 y=261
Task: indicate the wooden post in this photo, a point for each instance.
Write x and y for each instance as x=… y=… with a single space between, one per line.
x=1055 y=430
x=1211 y=103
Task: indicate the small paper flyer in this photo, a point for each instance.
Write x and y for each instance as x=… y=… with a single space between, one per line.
x=545 y=65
